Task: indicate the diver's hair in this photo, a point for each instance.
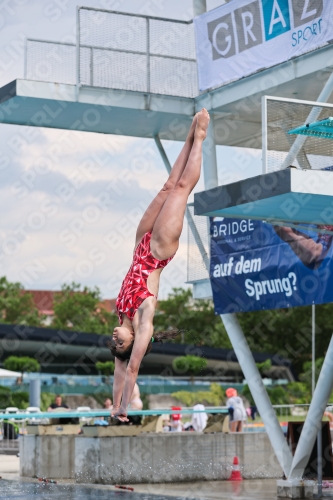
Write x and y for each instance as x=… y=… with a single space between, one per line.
x=172 y=333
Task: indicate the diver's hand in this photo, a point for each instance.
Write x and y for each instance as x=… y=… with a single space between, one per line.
x=121 y=414
x=115 y=409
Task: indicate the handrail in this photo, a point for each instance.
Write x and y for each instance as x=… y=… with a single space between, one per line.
x=106 y=413
x=167 y=19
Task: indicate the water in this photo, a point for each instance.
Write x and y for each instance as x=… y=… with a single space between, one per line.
x=24 y=491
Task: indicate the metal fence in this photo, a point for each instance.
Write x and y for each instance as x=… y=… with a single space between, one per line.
x=120 y=51
x=280 y=115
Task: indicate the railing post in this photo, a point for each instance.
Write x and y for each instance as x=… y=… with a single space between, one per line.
x=25 y=58
x=148 y=55
x=91 y=66
x=77 y=52
x=264 y=133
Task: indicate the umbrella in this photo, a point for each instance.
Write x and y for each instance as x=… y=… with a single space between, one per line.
x=7 y=373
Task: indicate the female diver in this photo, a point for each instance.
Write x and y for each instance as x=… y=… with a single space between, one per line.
x=157 y=240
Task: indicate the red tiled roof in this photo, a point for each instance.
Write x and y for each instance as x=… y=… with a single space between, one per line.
x=43 y=300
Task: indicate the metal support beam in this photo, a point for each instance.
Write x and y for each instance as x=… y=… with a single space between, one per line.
x=199 y=7
x=238 y=340
x=314 y=417
x=191 y=223
x=313 y=116
x=258 y=391
x=209 y=158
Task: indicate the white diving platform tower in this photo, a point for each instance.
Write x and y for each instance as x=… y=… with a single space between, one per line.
x=146 y=87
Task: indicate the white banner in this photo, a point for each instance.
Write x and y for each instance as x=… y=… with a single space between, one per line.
x=244 y=36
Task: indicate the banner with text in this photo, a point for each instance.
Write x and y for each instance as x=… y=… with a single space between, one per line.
x=244 y=36
x=256 y=266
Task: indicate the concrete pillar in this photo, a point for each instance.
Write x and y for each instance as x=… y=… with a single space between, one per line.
x=34 y=393
x=199 y=7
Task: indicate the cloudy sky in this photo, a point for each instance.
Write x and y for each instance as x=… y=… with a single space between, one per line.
x=46 y=241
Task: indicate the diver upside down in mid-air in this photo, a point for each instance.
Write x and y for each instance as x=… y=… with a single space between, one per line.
x=157 y=240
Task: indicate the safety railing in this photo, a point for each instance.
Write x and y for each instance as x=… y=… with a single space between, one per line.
x=121 y=51
x=285 y=414
x=12 y=426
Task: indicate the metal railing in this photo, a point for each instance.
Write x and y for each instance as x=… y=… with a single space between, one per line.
x=12 y=426
x=285 y=414
x=121 y=51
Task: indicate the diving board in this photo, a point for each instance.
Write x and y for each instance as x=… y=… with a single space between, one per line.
x=290 y=195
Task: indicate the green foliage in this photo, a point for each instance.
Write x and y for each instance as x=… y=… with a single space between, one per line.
x=288 y=332
x=17 y=307
x=189 y=364
x=292 y=393
x=106 y=367
x=306 y=376
x=197 y=317
x=5 y=397
x=21 y=364
x=79 y=309
x=46 y=399
x=264 y=367
x=20 y=399
x=214 y=397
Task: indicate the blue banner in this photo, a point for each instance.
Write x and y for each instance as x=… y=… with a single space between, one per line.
x=256 y=266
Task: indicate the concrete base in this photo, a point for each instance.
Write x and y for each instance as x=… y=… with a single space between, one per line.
x=296 y=489
x=148 y=458
x=53 y=430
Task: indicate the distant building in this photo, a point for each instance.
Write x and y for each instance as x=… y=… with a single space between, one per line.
x=44 y=299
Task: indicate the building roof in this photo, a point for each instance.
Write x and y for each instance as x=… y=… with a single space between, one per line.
x=43 y=300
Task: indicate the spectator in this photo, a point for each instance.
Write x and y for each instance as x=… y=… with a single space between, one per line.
x=238 y=412
x=176 y=420
x=199 y=418
x=136 y=404
x=57 y=404
x=107 y=405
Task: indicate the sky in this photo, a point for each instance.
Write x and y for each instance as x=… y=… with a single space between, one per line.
x=46 y=240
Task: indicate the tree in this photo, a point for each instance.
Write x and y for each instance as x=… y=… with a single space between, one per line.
x=214 y=397
x=287 y=332
x=189 y=364
x=105 y=367
x=196 y=317
x=21 y=364
x=79 y=309
x=264 y=367
x=17 y=307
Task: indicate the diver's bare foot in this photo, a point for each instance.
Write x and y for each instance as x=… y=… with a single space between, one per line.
x=190 y=134
x=202 y=124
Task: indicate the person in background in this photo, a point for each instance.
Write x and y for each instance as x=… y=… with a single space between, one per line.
x=107 y=405
x=135 y=404
x=238 y=414
x=58 y=403
x=199 y=418
x=176 y=424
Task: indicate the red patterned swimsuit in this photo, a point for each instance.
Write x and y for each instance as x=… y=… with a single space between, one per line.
x=134 y=287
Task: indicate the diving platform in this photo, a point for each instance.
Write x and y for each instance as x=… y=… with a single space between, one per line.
x=235 y=108
x=291 y=195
